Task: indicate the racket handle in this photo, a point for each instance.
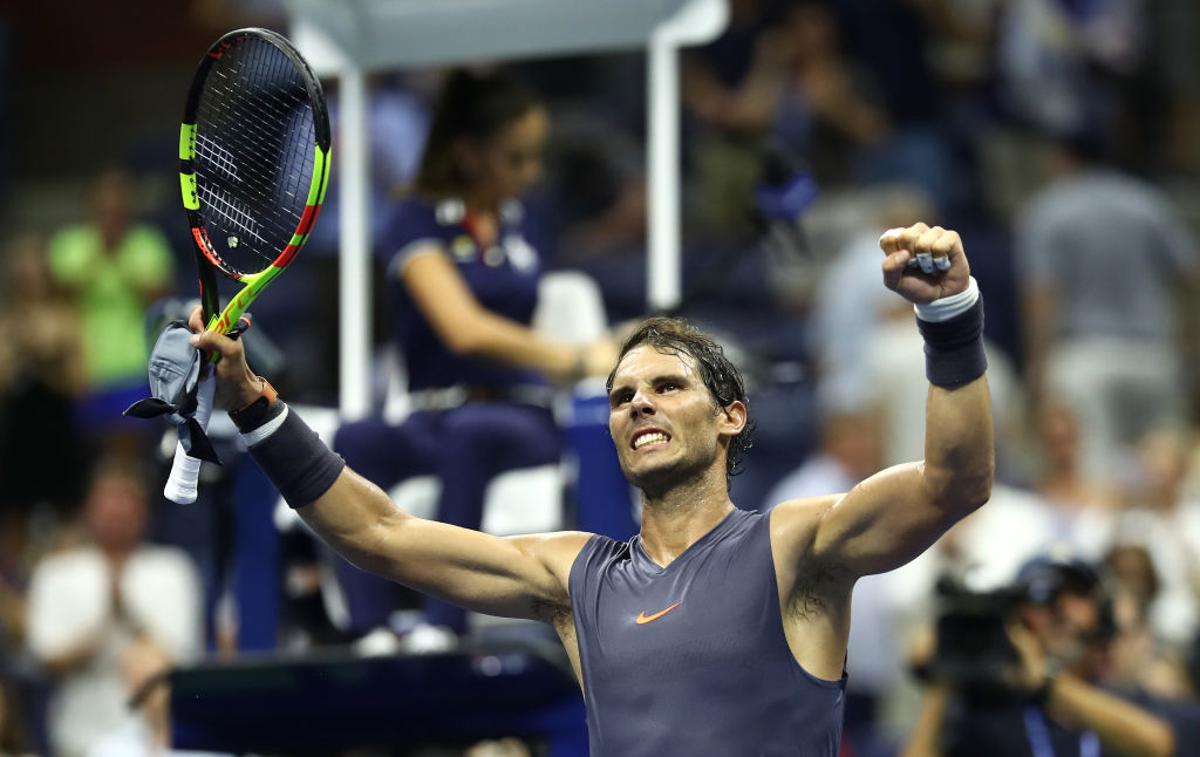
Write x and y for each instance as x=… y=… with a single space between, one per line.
x=181 y=486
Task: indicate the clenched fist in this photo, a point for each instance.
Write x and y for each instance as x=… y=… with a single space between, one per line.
x=924 y=263
x=237 y=385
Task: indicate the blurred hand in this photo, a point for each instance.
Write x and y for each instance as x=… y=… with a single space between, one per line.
x=921 y=647
x=942 y=268
x=600 y=357
x=114 y=591
x=237 y=385
x=1031 y=673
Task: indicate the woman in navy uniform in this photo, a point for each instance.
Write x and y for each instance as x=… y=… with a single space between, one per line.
x=463 y=279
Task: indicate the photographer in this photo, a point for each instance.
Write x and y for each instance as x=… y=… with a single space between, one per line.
x=1022 y=672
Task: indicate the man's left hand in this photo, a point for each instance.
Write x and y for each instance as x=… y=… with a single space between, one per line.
x=924 y=263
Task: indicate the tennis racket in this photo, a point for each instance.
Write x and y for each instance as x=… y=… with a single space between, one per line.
x=254 y=157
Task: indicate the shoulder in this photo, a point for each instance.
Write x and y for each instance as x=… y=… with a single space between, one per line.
x=159 y=560
x=72 y=236
x=416 y=225
x=549 y=559
x=146 y=249
x=558 y=550
x=69 y=567
x=148 y=236
x=794 y=522
x=70 y=560
x=71 y=247
x=796 y=532
x=418 y=217
x=414 y=209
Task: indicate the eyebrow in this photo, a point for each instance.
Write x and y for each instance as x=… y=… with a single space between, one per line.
x=678 y=378
x=664 y=378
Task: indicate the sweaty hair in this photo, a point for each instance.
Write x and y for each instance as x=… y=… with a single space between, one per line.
x=676 y=336
x=477 y=106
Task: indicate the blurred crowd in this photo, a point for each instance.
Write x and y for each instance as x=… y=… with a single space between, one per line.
x=1061 y=138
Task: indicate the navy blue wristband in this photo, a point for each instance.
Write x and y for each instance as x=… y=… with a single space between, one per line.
x=297 y=461
x=954 y=349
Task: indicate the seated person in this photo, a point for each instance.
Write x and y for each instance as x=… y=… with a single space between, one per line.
x=463 y=277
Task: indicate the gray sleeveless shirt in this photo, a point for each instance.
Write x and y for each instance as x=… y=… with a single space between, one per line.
x=691 y=659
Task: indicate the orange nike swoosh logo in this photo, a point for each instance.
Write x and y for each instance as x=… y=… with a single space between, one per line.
x=643 y=618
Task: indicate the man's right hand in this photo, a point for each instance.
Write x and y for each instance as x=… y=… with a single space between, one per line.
x=237 y=385
x=1030 y=673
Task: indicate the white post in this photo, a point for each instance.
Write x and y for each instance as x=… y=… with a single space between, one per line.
x=354 y=269
x=663 y=260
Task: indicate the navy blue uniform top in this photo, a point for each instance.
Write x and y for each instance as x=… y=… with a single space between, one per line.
x=503 y=277
x=691 y=659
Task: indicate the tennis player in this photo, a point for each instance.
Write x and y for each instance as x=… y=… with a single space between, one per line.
x=714 y=631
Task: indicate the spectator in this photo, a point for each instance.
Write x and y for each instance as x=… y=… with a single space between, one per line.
x=1141 y=658
x=1055 y=59
x=1062 y=481
x=798 y=85
x=41 y=453
x=1050 y=697
x=1104 y=261
x=41 y=375
x=463 y=278
x=89 y=606
x=849 y=453
x=113 y=267
x=1163 y=523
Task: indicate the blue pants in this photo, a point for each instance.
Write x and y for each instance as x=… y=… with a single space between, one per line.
x=466 y=448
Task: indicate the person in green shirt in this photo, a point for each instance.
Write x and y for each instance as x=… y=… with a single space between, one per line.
x=113 y=267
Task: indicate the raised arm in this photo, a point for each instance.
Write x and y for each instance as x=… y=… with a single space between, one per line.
x=521 y=576
x=895 y=515
x=518 y=577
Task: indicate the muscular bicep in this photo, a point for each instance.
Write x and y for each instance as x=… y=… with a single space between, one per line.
x=883 y=522
x=520 y=576
x=509 y=576
x=893 y=516
x=877 y=526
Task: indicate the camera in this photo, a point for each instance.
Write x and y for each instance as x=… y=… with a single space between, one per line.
x=973 y=651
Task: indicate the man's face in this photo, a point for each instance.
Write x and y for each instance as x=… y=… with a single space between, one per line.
x=1070 y=633
x=663 y=419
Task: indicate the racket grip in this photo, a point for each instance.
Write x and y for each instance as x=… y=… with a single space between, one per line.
x=181 y=486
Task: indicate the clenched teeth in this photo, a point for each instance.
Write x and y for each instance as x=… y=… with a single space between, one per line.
x=651 y=438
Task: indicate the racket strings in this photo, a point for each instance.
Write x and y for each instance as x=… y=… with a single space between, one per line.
x=263 y=152
x=255 y=138
x=271 y=66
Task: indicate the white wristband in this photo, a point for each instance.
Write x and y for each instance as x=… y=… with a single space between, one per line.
x=947 y=307
x=262 y=432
